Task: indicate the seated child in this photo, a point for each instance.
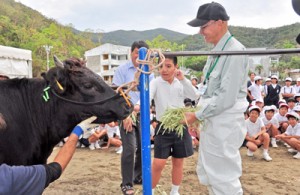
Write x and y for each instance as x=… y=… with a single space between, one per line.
x=271 y=124
x=280 y=116
x=256 y=134
x=292 y=135
x=113 y=133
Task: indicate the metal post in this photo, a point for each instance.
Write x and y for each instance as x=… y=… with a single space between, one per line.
x=145 y=126
x=245 y=52
x=48 y=49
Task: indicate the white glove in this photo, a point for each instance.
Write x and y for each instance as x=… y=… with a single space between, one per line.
x=85 y=126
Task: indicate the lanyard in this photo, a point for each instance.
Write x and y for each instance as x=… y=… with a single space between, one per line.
x=216 y=61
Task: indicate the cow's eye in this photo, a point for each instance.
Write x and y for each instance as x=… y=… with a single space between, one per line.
x=87 y=85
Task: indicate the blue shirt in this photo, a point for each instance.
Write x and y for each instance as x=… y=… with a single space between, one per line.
x=125 y=74
x=22 y=179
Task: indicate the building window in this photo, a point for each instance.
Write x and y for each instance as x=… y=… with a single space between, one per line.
x=105 y=67
x=105 y=56
x=113 y=57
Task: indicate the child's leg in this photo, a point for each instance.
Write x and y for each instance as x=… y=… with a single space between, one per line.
x=115 y=142
x=251 y=146
x=177 y=170
x=265 y=138
x=157 y=167
x=294 y=143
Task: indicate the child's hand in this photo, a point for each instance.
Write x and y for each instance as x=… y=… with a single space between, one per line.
x=179 y=74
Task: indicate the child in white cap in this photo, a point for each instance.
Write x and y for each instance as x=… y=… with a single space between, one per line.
x=292 y=134
x=256 y=134
x=271 y=124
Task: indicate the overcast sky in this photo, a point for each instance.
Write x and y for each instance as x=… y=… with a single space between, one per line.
x=111 y=15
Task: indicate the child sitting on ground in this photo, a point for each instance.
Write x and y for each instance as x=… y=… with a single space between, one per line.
x=271 y=124
x=281 y=118
x=292 y=134
x=113 y=133
x=256 y=134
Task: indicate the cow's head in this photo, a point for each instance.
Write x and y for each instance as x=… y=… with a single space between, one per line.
x=75 y=84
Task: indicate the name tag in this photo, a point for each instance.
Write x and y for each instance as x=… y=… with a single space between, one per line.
x=202 y=89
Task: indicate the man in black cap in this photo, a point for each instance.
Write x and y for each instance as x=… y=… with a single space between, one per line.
x=222 y=104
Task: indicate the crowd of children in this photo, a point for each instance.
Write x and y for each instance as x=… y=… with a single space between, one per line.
x=273 y=115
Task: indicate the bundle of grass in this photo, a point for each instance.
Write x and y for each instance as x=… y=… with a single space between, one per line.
x=172 y=118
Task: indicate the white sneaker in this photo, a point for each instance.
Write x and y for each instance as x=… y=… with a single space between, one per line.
x=267 y=157
x=92 y=146
x=249 y=153
x=288 y=146
x=292 y=150
x=273 y=143
x=297 y=156
x=97 y=146
x=120 y=150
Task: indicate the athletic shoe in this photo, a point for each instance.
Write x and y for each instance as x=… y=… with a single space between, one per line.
x=297 y=156
x=274 y=144
x=267 y=157
x=92 y=146
x=97 y=146
x=288 y=146
x=120 y=150
x=292 y=150
x=249 y=153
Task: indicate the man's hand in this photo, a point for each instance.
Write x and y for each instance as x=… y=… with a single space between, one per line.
x=190 y=118
x=85 y=126
x=127 y=124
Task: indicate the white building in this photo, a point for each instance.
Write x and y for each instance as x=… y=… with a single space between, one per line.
x=106 y=58
x=266 y=61
x=15 y=62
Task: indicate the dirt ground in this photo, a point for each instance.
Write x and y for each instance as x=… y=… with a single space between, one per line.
x=98 y=172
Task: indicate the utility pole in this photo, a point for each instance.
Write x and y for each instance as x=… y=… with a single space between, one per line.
x=47 y=49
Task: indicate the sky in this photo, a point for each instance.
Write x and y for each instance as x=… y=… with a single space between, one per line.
x=111 y=15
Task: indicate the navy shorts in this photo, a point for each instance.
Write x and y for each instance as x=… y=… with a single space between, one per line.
x=170 y=144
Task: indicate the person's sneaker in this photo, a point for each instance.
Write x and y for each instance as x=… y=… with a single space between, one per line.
x=92 y=147
x=97 y=146
x=249 y=153
x=288 y=146
x=297 y=156
x=274 y=144
x=267 y=157
x=292 y=150
x=120 y=150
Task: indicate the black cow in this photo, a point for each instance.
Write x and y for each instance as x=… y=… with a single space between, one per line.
x=32 y=124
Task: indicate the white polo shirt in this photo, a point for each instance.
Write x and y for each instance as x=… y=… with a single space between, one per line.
x=255 y=91
x=280 y=118
x=172 y=95
x=293 y=130
x=254 y=128
x=112 y=130
x=273 y=121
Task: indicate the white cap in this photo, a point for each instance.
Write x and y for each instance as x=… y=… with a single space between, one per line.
x=268 y=79
x=268 y=108
x=288 y=79
x=297 y=95
x=259 y=100
x=256 y=78
x=283 y=105
x=298 y=80
x=297 y=108
x=294 y=114
x=254 y=107
x=274 y=77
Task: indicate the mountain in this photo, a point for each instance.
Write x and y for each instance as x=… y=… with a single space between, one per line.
x=126 y=38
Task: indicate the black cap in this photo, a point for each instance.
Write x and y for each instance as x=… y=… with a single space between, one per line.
x=207 y=12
